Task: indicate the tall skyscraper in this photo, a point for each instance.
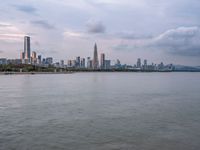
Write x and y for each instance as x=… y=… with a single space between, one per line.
x=27 y=48
x=95 y=58
x=102 y=61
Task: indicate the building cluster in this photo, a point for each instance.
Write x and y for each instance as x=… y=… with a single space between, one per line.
x=26 y=57
x=92 y=64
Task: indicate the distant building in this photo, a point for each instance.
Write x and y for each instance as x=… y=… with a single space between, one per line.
x=102 y=61
x=14 y=61
x=34 y=58
x=34 y=55
x=138 y=63
x=39 y=59
x=27 y=48
x=43 y=61
x=82 y=63
x=95 y=58
x=62 y=63
x=22 y=55
x=89 y=63
x=3 y=61
x=69 y=63
x=145 y=65
x=107 y=64
x=118 y=64
x=49 y=60
x=78 y=61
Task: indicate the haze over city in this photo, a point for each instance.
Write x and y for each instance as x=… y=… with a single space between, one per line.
x=155 y=30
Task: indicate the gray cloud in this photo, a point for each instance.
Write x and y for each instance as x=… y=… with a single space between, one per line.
x=1 y=51
x=26 y=8
x=183 y=41
x=95 y=27
x=131 y=36
x=43 y=24
x=180 y=41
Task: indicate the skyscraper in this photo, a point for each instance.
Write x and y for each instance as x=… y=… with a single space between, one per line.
x=138 y=63
x=95 y=58
x=82 y=63
x=27 y=48
x=102 y=61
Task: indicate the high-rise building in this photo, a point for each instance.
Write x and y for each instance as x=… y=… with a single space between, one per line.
x=34 y=55
x=69 y=63
x=102 y=61
x=27 y=48
x=145 y=65
x=78 y=61
x=39 y=59
x=49 y=60
x=118 y=64
x=107 y=64
x=62 y=63
x=138 y=63
x=95 y=64
x=89 y=63
x=34 y=58
x=82 y=62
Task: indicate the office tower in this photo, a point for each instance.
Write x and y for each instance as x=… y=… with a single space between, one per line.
x=145 y=64
x=27 y=48
x=62 y=63
x=95 y=58
x=34 y=55
x=33 y=58
x=39 y=59
x=82 y=62
x=138 y=63
x=107 y=64
x=43 y=61
x=89 y=64
x=102 y=61
x=78 y=61
x=69 y=63
x=73 y=63
x=49 y=60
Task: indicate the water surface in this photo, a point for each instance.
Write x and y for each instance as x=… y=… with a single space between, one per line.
x=100 y=111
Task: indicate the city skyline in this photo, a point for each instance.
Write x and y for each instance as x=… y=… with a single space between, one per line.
x=161 y=35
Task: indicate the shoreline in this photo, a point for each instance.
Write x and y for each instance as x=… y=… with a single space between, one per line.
x=32 y=73
x=70 y=72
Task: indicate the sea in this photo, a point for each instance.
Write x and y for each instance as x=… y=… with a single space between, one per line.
x=100 y=111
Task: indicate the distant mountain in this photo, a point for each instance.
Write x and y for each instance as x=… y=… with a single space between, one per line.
x=186 y=68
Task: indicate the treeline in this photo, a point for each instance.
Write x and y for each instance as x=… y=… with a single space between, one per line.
x=25 y=68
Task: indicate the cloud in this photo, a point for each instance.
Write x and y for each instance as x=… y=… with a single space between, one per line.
x=1 y=51
x=180 y=41
x=95 y=27
x=183 y=41
x=10 y=33
x=43 y=24
x=73 y=34
x=26 y=8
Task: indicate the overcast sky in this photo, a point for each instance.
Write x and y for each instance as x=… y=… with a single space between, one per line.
x=156 y=30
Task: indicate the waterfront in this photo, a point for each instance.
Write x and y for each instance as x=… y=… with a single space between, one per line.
x=101 y=111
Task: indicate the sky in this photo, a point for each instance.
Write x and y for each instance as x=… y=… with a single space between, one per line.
x=156 y=30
